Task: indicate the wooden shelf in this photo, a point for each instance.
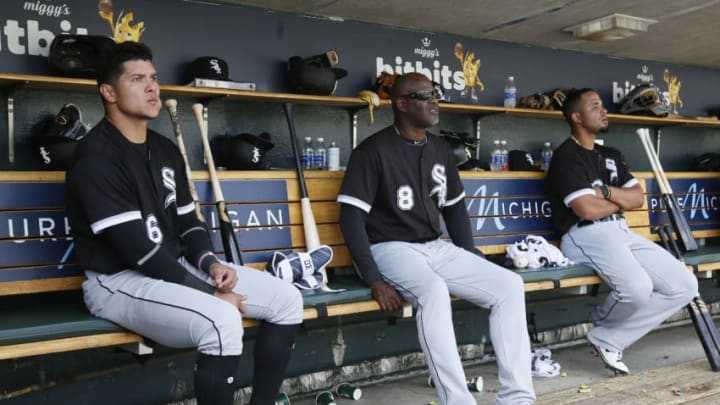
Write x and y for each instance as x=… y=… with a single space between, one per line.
x=614 y=118
x=9 y=80
x=200 y=93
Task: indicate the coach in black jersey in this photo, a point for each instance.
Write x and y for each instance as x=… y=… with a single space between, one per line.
x=149 y=261
x=398 y=184
x=590 y=187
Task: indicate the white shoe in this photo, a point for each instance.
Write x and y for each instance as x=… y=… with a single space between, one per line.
x=611 y=358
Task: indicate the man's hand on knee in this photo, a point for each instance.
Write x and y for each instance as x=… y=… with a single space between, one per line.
x=386 y=296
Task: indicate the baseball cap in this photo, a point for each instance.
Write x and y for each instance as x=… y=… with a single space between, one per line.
x=207 y=67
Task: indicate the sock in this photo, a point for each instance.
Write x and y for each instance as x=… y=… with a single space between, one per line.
x=273 y=346
x=215 y=379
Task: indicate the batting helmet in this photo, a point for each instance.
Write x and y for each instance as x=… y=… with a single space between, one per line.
x=314 y=75
x=246 y=151
x=644 y=99
x=59 y=137
x=76 y=55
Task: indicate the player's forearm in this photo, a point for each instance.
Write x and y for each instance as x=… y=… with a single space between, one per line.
x=133 y=246
x=196 y=242
x=457 y=222
x=592 y=207
x=352 y=224
x=627 y=198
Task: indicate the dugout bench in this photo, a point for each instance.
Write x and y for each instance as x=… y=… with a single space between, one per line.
x=41 y=307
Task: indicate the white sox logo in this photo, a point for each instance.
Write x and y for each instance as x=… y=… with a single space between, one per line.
x=256 y=155
x=215 y=65
x=45 y=155
x=168 y=176
x=438 y=176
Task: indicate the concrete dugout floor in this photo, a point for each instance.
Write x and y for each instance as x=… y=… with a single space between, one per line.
x=664 y=360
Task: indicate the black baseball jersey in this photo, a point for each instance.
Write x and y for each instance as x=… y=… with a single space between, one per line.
x=401 y=186
x=113 y=181
x=575 y=171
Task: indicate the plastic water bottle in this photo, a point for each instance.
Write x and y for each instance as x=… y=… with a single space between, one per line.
x=333 y=157
x=308 y=154
x=510 y=98
x=504 y=156
x=495 y=158
x=546 y=157
x=320 y=154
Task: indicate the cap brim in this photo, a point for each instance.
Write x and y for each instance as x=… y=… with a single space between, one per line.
x=339 y=73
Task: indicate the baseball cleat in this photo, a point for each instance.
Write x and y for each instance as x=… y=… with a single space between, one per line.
x=611 y=358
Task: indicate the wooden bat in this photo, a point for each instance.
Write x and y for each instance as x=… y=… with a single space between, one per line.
x=702 y=319
x=312 y=239
x=171 y=106
x=677 y=218
x=227 y=234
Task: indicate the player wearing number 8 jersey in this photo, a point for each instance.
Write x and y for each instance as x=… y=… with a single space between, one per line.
x=398 y=184
x=148 y=259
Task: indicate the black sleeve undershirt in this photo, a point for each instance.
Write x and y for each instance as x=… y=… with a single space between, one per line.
x=457 y=222
x=151 y=259
x=352 y=224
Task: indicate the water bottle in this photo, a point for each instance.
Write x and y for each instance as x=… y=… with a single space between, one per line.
x=308 y=154
x=495 y=162
x=504 y=156
x=546 y=157
x=320 y=154
x=510 y=99
x=333 y=157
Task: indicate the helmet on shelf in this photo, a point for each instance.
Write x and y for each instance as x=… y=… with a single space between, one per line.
x=644 y=99
x=246 y=151
x=314 y=75
x=59 y=135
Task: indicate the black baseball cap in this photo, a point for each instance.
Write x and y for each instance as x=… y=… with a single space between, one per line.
x=207 y=67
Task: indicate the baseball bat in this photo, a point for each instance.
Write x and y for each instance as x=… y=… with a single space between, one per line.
x=677 y=218
x=171 y=106
x=227 y=234
x=312 y=239
x=702 y=319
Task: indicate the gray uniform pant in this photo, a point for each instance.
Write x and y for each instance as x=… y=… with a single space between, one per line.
x=426 y=274
x=648 y=284
x=182 y=317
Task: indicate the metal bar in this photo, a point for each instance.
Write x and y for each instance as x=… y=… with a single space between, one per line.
x=11 y=126
x=477 y=137
x=354 y=125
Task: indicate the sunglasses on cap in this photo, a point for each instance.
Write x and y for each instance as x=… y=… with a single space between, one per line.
x=423 y=95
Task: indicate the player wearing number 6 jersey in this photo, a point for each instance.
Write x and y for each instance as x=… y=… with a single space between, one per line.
x=398 y=184
x=148 y=258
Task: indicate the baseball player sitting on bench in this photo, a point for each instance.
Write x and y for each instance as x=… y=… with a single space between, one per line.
x=398 y=183
x=147 y=257
x=589 y=187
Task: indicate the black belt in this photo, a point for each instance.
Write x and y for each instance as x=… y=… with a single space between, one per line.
x=613 y=217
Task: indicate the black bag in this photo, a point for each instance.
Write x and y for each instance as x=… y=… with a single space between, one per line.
x=76 y=55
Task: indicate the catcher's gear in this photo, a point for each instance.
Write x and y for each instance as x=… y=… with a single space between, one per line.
x=384 y=83
x=550 y=100
x=314 y=75
x=56 y=144
x=300 y=268
x=645 y=99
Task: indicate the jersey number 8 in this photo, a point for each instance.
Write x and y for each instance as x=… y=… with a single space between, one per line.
x=405 y=200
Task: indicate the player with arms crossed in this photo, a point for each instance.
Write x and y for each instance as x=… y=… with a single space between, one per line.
x=590 y=187
x=398 y=184
x=148 y=258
